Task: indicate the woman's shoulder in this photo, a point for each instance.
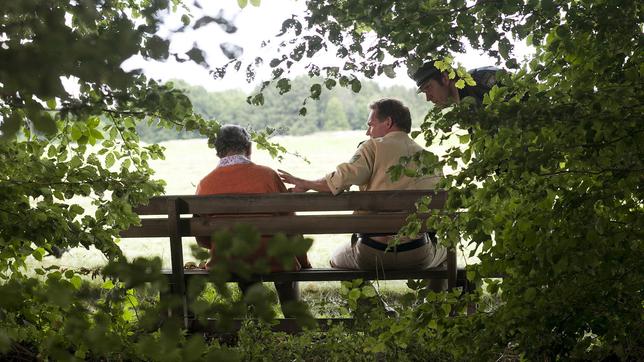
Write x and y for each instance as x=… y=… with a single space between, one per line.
x=261 y=169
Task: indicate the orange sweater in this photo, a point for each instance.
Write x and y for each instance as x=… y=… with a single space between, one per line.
x=247 y=178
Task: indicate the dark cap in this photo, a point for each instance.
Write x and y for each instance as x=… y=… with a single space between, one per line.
x=424 y=73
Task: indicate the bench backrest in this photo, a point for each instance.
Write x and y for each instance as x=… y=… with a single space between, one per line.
x=385 y=212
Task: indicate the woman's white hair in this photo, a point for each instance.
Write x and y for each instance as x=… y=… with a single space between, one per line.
x=232 y=139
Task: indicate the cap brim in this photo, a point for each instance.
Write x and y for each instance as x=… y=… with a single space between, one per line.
x=420 y=87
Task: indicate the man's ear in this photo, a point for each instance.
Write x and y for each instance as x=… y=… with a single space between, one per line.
x=390 y=122
x=445 y=79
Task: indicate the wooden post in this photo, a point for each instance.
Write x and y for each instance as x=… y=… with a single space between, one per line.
x=451 y=268
x=470 y=287
x=176 y=256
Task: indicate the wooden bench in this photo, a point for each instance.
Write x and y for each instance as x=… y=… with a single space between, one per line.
x=387 y=212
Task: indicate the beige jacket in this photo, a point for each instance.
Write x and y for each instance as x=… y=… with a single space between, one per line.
x=368 y=166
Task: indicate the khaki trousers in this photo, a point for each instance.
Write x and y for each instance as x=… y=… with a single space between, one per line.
x=362 y=257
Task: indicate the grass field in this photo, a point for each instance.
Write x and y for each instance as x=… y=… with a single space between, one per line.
x=187 y=161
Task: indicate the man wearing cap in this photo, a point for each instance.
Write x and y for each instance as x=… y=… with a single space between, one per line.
x=389 y=126
x=442 y=91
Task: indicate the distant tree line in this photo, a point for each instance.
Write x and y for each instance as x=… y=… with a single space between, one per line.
x=338 y=109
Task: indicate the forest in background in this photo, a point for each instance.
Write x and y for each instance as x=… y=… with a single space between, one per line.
x=337 y=109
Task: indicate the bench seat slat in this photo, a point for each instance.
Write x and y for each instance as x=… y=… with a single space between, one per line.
x=321 y=274
x=286 y=202
x=292 y=224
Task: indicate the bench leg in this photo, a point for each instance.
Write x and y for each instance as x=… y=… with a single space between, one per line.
x=438 y=285
x=169 y=299
x=469 y=288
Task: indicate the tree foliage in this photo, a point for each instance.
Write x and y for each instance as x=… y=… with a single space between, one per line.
x=73 y=168
x=548 y=189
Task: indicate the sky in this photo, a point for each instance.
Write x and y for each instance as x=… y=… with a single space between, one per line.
x=254 y=25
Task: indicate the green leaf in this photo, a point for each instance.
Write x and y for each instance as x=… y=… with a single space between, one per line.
x=96 y=134
x=316 y=90
x=530 y=294
x=329 y=83
x=126 y=164
x=38 y=253
x=284 y=85
x=10 y=125
x=389 y=71
x=76 y=209
x=185 y=19
x=109 y=160
x=51 y=152
x=369 y=291
x=446 y=308
x=255 y=3
x=354 y=294
x=242 y=3
x=108 y=285
x=356 y=86
x=196 y=55
x=51 y=103
x=93 y=122
x=76 y=132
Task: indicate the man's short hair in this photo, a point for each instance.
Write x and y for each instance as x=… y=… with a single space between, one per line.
x=426 y=72
x=393 y=108
x=232 y=139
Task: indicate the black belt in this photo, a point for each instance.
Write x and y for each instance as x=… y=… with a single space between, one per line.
x=411 y=245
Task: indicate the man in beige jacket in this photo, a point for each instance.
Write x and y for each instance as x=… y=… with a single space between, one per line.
x=389 y=125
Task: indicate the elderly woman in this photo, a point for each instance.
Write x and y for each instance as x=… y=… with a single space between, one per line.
x=237 y=174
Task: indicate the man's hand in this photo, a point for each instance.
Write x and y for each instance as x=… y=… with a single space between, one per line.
x=299 y=183
x=302 y=185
